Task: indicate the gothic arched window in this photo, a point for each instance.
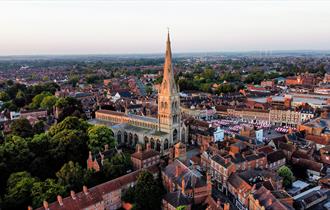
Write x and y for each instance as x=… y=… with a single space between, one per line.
x=119 y=137
x=166 y=144
x=175 y=135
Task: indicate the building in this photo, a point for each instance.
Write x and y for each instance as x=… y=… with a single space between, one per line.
x=104 y=196
x=263 y=198
x=146 y=158
x=177 y=176
x=162 y=132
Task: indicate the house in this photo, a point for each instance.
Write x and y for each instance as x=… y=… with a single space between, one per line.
x=263 y=199
x=177 y=176
x=311 y=199
x=275 y=160
x=103 y=196
x=143 y=159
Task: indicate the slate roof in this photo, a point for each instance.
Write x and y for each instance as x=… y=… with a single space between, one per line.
x=221 y=161
x=177 y=198
x=275 y=156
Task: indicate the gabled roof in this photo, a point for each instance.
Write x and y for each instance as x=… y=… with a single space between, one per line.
x=275 y=156
x=177 y=198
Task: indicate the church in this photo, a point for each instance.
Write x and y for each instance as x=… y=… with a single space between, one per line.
x=161 y=132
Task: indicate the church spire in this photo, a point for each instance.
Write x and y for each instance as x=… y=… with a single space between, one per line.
x=168 y=83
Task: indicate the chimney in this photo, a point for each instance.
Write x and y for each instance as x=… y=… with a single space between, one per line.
x=138 y=148
x=60 y=200
x=30 y=208
x=218 y=203
x=90 y=157
x=102 y=158
x=226 y=206
x=226 y=160
x=177 y=171
x=73 y=195
x=85 y=190
x=148 y=146
x=269 y=202
x=106 y=147
x=45 y=203
x=183 y=184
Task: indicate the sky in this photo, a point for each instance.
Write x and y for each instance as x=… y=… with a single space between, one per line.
x=123 y=27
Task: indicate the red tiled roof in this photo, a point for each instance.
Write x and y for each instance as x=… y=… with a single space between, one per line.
x=143 y=155
x=95 y=194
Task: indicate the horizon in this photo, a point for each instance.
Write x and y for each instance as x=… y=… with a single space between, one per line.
x=139 y=27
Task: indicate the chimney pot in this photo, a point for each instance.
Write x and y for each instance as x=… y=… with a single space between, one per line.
x=138 y=148
x=148 y=146
x=45 y=203
x=183 y=185
x=177 y=171
x=106 y=147
x=85 y=190
x=270 y=202
x=73 y=195
x=30 y=208
x=60 y=200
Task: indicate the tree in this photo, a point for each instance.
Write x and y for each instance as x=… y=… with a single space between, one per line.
x=68 y=145
x=73 y=80
x=117 y=166
x=98 y=136
x=68 y=107
x=71 y=175
x=39 y=127
x=181 y=208
x=148 y=193
x=70 y=123
x=287 y=175
x=48 y=102
x=208 y=74
x=47 y=190
x=14 y=156
x=4 y=96
x=18 y=193
x=36 y=101
x=21 y=127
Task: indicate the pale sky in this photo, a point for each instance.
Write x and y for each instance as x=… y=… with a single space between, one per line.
x=116 y=27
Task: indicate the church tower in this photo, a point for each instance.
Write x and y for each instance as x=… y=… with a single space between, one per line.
x=169 y=114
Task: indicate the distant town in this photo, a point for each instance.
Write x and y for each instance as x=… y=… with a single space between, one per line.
x=215 y=131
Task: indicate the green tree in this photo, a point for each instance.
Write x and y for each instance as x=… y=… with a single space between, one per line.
x=69 y=145
x=287 y=175
x=181 y=208
x=117 y=166
x=148 y=193
x=21 y=127
x=36 y=101
x=48 y=102
x=18 y=193
x=98 y=136
x=70 y=123
x=4 y=96
x=208 y=74
x=69 y=107
x=71 y=175
x=47 y=190
x=39 y=127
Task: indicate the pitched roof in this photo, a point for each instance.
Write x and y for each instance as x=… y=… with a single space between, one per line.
x=275 y=156
x=268 y=200
x=95 y=194
x=222 y=161
x=143 y=155
x=177 y=198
